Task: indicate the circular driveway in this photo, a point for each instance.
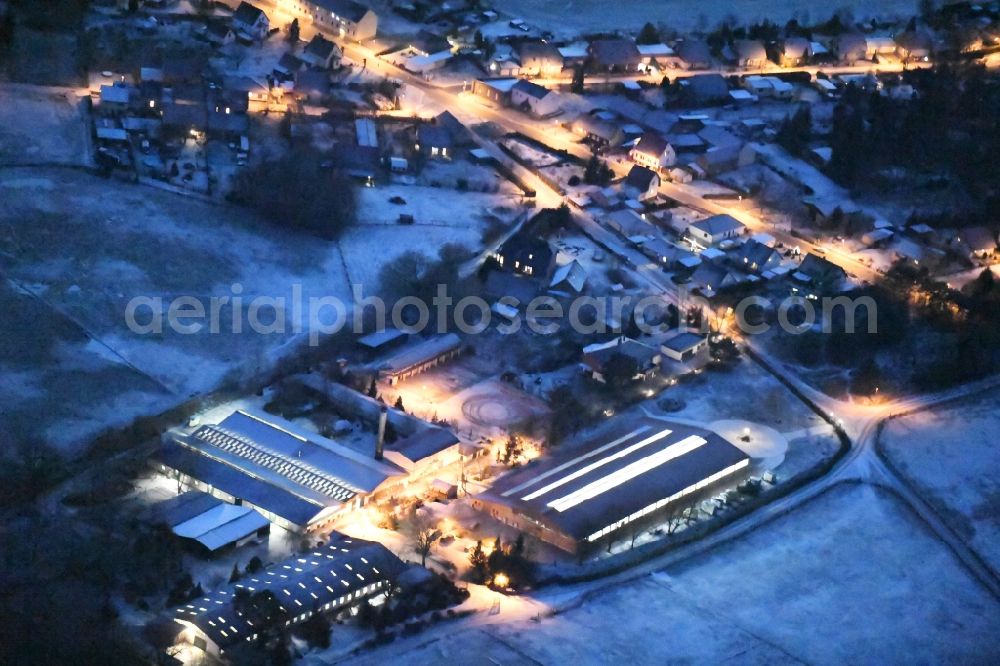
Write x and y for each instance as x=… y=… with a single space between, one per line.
x=765 y=445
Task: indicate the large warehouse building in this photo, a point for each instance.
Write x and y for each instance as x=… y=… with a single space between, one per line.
x=640 y=468
x=298 y=480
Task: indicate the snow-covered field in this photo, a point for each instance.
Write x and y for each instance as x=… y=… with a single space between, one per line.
x=952 y=455
x=852 y=577
x=571 y=17
x=41 y=126
x=747 y=392
x=84 y=247
x=81 y=248
x=440 y=216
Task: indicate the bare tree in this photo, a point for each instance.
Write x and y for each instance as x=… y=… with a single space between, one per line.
x=424 y=540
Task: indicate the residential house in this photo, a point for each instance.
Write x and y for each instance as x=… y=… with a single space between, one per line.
x=668 y=255
x=642 y=183
x=749 y=53
x=794 y=52
x=115 y=98
x=653 y=151
x=597 y=357
x=715 y=161
x=914 y=45
x=219 y=33
x=184 y=110
x=495 y=90
x=533 y=98
x=600 y=132
x=909 y=250
x=574 y=54
x=569 y=278
x=713 y=230
x=361 y=162
x=703 y=89
x=710 y=278
x=979 y=241
x=880 y=45
x=539 y=59
x=877 y=237
x=768 y=86
x=756 y=257
x=851 y=47
x=351 y=19
x=656 y=57
x=421 y=64
x=322 y=53
x=250 y=21
x=440 y=138
x=227 y=119
x=831 y=210
x=694 y=53
x=526 y=254
x=257 y=94
x=629 y=224
x=820 y=273
x=684 y=345
x=687 y=143
x=717 y=136
x=615 y=55
x=435 y=141
x=146 y=99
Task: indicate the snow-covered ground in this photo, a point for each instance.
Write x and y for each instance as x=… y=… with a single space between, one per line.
x=852 y=577
x=85 y=247
x=440 y=215
x=746 y=392
x=568 y=18
x=41 y=126
x=952 y=455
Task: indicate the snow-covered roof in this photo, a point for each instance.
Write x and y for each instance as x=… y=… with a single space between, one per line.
x=115 y=94
x=276 y=465
x=572 y=274
x=329 y=576
x=421 y=62
x=654 y=50
x=718 y=224
x=221 y=525
x=500 y=85
x=420 y=353
x=585 y=490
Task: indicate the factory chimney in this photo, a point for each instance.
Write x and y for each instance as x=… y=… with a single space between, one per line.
x=383 y=415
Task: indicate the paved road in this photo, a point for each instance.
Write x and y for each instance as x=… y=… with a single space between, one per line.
x=472 y=110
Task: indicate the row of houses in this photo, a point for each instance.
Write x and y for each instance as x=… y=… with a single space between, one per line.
x=351 y=20
x=537 y=58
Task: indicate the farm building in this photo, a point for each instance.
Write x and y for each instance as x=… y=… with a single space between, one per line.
x=331 y=578
x=296 y=479
x=633 y=473
x=208 y=521
x=416 y=358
